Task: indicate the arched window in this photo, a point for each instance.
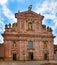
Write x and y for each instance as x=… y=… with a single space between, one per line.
x=30 y=44
x=30 y=25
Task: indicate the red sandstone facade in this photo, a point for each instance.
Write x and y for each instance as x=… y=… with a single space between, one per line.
x=2 y=51
x=28 y=39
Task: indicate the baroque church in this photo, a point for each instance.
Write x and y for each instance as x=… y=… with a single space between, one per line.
x=28 y=39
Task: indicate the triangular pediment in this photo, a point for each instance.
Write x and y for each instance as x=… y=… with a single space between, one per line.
x=28 y=14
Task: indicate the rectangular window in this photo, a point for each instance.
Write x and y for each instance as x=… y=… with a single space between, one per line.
x=30 y=44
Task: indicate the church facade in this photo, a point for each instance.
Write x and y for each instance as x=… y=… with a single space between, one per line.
x=28 y=38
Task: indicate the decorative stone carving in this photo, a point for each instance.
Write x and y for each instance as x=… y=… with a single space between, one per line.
x=39 y=36
x=44 y=26
x=6 y=26
x=49 y=29
x=14 y=25
x=9 y=25
x=30 y=7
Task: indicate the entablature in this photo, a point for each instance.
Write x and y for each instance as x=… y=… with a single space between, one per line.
x=28 y=35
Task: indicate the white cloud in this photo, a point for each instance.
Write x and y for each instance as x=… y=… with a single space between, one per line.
x=55 y=40
x=1 y=39
x=53 y=18
x=50 y=7
x=1 y=29
x=2 y=25
x=3 y=2
x=7 y=12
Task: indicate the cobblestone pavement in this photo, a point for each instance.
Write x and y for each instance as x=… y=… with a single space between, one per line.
x=24 y=63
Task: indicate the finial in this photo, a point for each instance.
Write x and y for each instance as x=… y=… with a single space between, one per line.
x=30 y=7
x=6 y=26
x=9 y=25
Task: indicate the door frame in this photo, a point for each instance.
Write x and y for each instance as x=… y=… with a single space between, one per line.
x=31 y=56
x=45 y=56
x=14 y=57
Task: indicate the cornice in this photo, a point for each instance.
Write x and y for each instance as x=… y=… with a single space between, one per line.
x=28 y=35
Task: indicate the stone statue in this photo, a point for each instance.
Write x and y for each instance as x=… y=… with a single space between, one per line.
x=30 y=7
x=14 y=25
x=6 y=26
x=9 y=25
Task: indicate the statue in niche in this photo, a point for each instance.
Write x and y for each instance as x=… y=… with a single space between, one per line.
x=14 y=44
x=14 y=25
x=30 y=25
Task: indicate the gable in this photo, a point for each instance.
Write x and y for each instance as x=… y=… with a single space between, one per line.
x=29 y=14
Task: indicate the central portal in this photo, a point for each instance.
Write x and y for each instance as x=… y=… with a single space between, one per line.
x=30 y=55
x=45 y=56
x=14 y=56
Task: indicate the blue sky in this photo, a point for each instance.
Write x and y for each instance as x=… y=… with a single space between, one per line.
x=47 y=8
